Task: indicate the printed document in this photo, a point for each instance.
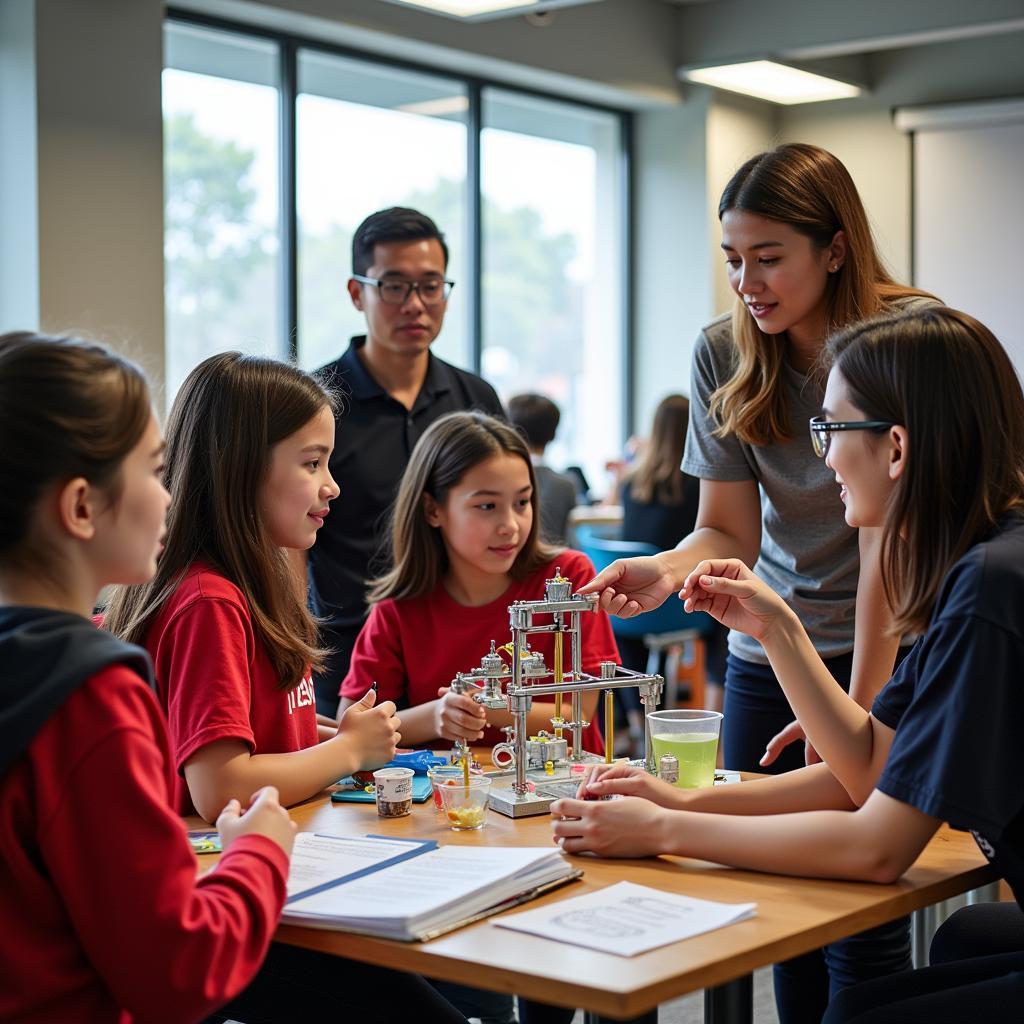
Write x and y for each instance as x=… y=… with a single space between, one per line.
x=626 y=919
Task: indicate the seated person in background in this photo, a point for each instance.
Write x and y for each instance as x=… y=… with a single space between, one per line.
x=659 y=501
x=659 y=507
x=536 y=418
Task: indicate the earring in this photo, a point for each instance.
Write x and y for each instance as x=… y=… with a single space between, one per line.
x=833 y=268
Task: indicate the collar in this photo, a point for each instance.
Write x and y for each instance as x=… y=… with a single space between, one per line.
x=364 y=385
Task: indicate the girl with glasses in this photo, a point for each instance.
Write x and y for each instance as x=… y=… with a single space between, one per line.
x=943 y=484
x=802 y=262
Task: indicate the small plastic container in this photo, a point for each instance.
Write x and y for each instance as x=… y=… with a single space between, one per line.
x=393 y=791
x=465 y=807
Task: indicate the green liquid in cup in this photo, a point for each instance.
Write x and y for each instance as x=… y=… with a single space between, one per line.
x=696 y=751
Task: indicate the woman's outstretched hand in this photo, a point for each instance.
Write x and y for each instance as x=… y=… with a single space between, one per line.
x=728 y=590
x=631 y=586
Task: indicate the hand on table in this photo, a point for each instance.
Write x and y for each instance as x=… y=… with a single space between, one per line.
x=628 y=780
x=611 y=828
x=264 y=817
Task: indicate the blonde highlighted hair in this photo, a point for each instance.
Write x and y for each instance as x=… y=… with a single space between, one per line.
x=809 y=189
x=448 y=449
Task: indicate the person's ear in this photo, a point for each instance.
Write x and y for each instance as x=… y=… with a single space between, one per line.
x=77 y=506
x=431 y=511
x=355 y=293
x=898 y=451
x=837 y=251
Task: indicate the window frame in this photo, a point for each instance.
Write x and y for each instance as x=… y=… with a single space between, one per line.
x=289 y=45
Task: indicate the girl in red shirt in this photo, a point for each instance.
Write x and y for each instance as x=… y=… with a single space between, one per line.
x=464 y=545
x=94 y=854
x=225 y=617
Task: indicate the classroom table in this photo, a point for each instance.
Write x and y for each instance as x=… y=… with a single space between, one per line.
x=794 y=915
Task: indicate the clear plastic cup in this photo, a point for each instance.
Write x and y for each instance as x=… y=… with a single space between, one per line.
x=465 y=807
x=692 y=737
x=438 y=776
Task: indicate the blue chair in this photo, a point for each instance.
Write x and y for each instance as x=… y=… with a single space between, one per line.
x=667 y=626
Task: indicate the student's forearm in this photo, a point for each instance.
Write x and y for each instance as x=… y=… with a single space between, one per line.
x=817 y=844
x=813 y=788
x=298 y=775
x=839 y=729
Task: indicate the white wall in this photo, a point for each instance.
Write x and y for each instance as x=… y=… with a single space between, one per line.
x=673 y=278
x=101 y=171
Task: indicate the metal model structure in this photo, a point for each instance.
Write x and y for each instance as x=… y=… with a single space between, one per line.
x=545 y=758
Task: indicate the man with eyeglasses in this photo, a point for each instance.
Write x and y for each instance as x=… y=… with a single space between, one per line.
x=393 y=388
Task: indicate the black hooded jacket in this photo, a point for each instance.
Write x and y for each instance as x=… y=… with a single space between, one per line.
x=44 y=657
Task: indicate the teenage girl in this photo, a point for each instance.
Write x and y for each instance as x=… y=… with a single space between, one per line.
x=224 y=618
x=464 y=546
x=923 y=433
x=802 y=263
x=94 y=854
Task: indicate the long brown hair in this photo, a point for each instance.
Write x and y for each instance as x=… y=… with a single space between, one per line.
x=810 y=190
x=657 y=477
x=944 y=377
x=448 y=449
x=68 y=408
x=227 y=417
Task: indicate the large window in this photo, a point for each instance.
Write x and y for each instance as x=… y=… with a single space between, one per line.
x=552 y=252
x=371 y=137
x=221 y=213
x=528 y=190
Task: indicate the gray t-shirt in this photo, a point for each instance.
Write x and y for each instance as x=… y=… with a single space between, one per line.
x=808 y=554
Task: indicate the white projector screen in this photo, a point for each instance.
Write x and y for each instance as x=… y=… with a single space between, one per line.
x=969 y=223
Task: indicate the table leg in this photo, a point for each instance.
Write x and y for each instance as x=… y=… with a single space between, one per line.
x=731 y=1003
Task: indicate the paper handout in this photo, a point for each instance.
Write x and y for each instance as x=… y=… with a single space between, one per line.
x=626 y=919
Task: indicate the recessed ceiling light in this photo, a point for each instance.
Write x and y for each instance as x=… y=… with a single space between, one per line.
x=769 y=80
x=470 y=8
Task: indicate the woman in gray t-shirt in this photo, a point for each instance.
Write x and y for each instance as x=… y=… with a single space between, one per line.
x=802 y=262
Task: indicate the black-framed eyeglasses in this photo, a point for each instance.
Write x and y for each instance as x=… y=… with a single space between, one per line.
x=396 y=291
x=822 y=430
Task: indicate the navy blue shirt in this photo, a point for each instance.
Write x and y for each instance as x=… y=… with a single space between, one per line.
x=957 y=705
x=374 y=437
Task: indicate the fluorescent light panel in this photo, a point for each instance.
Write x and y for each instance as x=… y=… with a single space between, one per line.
x=470 y=8
x=777 y=83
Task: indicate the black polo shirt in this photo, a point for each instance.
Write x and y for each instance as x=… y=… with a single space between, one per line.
x=374 y=437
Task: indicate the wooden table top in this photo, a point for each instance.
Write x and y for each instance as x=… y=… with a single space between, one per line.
x=794 y=915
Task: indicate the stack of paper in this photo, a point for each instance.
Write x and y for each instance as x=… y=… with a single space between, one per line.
x=627 y=919
x=410 y=888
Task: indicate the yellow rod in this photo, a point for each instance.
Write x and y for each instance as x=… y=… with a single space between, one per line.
x=558 y=680
x=609 y=727
x=465 y=771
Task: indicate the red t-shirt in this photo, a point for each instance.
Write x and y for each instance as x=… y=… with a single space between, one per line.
x=102 y=917
x=412 y=647
x=215 y=680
